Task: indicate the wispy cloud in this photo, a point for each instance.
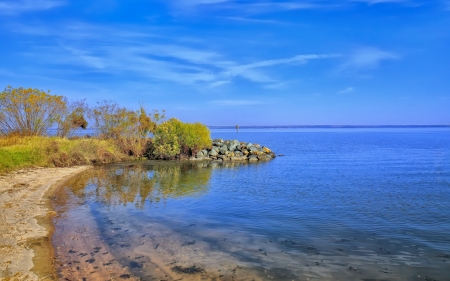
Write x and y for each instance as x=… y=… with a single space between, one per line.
x=248 y=7
x=236 y=102
x=125 y=50
x=248 y=70
x=346 y=90
x=22 y=6
x=219 y=83
x=252 y=20
x=371 y=2
x=367 y=58
x=270 y=6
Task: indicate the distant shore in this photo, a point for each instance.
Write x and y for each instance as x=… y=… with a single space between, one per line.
x=26 y=251
x=328 y=126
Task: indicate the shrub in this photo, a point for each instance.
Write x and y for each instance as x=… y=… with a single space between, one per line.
x=72 y=118
x=174 y=138
x=128 y=128
x=28 y=112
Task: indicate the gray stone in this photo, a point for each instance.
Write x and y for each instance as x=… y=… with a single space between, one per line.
x=252 y=158
x=199 y=154
x=213 y=153
x=264 y=157
x=252 y=148
x=238 y=158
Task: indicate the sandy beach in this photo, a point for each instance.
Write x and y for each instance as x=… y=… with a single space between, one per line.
x=26 y=252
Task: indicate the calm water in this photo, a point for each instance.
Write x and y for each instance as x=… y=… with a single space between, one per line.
x=342 y=204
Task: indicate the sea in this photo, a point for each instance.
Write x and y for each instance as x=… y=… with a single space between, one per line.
x=335 y=204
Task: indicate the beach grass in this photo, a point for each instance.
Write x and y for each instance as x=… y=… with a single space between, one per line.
x=18 y=152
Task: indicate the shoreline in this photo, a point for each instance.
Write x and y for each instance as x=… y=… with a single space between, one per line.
x=26 y=251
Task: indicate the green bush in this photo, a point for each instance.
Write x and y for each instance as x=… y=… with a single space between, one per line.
x=174 y=138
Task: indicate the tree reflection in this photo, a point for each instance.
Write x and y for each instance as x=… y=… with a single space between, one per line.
x=142 y=183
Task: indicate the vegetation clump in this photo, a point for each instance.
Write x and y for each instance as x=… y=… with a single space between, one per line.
x=175 y=139
x=27 y=115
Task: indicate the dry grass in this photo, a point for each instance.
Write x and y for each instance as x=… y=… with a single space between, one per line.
x=24 y=152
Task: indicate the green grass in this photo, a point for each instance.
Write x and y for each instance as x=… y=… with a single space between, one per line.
x=26 y=152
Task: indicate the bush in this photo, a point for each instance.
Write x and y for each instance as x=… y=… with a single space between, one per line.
x=28 y=112
x=72 y=118
x=128 y=128
x=174 y=138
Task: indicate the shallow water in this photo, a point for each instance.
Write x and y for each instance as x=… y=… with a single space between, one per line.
x=342 y=204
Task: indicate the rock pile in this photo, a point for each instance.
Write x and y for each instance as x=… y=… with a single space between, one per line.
x=233 y=150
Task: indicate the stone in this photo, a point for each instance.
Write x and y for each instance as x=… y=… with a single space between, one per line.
x=252 y=158
x=199 y=154
x=264 y=157
x=238 y=158
x=212 y=153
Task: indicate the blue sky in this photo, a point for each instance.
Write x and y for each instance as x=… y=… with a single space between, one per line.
x=224 y=62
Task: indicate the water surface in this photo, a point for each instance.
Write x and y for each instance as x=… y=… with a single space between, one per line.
x=342 y=204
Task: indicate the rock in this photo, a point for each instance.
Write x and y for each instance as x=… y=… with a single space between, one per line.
x=238 y=158
x=252 y=148
x=264 y=157
x=234 y=151
x=252 y=158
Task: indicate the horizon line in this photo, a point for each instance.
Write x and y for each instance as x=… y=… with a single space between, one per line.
x=326 y=126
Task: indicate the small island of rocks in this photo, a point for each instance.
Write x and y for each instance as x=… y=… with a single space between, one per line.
x=234 y=150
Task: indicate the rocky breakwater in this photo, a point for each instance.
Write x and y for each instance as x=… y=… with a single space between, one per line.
x=234 y=150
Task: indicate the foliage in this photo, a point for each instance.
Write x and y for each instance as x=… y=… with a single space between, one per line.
x=166 y=144
x=17 y=152
x=174 y=138
x=28 y=112
x=72 y=118
x=128 y=128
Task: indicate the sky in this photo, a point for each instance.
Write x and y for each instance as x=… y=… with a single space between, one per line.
x=225 y=62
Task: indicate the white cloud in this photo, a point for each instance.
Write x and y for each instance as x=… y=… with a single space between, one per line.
x=346 y=90
x=367 y=58
x=219 y=83
x=236 y=102
x=21 y=6
x=252 y=20
x=244 y=7
x=371 y=2
x=123 y=50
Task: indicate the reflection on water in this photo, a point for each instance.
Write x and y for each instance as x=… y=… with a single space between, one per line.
x=341 y=211
x=137 y=183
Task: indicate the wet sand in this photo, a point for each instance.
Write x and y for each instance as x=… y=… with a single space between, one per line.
x=26 y=252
